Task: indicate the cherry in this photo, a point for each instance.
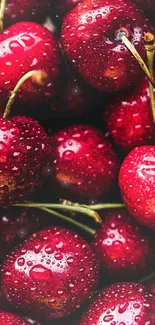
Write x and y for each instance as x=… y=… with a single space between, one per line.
x=92 y=39
x=24 y=11
x=121 y=304
x=137 y=184
x=84 y=163
x=26 y=46
x=24 y=153
x=51 y=274
x=128 y=118
x=125 y=250
x=7 y=318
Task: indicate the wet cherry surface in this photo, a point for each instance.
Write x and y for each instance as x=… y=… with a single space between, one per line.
x=51 y=274
x=137 y=184
x=84 y=162
x=11 y=319
x=128 y=118
x=28 y=46
x=125 y=249
x=23 y=158
x=121 y=304
x=89 y=37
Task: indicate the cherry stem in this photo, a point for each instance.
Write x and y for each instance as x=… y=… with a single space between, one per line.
x=94 y=207
x=141 y=62
x=150 y=50
x=2 y=11
x=79 y=209
x=104 y=206
x=69 y=220
x=39 y=77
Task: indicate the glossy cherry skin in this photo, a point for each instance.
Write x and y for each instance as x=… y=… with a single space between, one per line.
x=23 y=47
x=7 y=318
x=122 y=303
x=51 y=274
x=24 y=11
x=137 y=184
x=84 y=163
x=91 y=39
x=24 y=153
x=128 y=118
x=125 y=249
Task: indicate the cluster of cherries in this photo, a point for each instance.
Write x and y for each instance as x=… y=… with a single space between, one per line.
x=95 y=266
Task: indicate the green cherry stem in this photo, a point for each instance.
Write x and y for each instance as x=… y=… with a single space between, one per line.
x=150 y=50
x=141 y=62
x=94 y=207
x=2 y=11
x=102 y=206
x=70 y=220
x=79 y=209
x=39 y=77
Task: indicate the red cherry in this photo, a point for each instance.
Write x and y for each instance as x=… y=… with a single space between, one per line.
x=84 y=163
x=121 y=304
x=50 y=275
x=24 y=153
x=24 y=10
x=11 y=319
x=125 y=250
x=91 y=37
x=28 y=46
x=128 y=118
x=137 y=184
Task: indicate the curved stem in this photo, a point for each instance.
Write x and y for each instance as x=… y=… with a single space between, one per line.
x=38 y=77
x=150 y=50
x=67 y=219
x=2 y=11
x=78 y=209
x=141 y=62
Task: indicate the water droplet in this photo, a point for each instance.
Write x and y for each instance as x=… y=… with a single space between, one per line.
x=70 y=260
x=48 y=249
x=68 y=154
x=40 y=273
x=108 y=318
x=136 y=305
x=37 y=248
x=58 y=256
x=123 y=307
x=27 y=40
x=15 y=46
x=21 y=261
